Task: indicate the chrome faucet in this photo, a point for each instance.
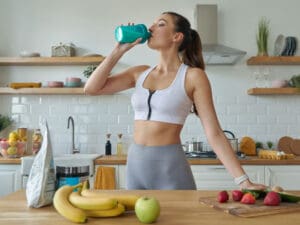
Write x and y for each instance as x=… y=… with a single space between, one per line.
x=74 y=150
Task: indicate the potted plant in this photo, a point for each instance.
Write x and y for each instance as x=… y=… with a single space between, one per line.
x=89 y=70
x=5 y=122
x=262 y=37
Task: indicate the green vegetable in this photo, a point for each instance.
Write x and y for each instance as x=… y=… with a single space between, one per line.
x=258 y=145
x=286 y=197
x=256 y=193
x=270 y=144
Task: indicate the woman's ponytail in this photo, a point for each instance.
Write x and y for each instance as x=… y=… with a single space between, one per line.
x=191 y=47
x=192 y=54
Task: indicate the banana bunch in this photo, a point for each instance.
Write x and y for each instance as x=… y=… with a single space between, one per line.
x=128 y=200
x=78 y=206
x=65 y=208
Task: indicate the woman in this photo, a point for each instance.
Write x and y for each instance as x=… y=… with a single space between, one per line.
x=164 y=95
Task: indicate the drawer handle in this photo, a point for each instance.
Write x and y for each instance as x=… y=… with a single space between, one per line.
x=217 y=168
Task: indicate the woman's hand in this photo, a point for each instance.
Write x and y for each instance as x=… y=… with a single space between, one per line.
x=127 y=46
x=247 y=184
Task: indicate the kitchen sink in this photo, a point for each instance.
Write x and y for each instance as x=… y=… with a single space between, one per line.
x=77 y=156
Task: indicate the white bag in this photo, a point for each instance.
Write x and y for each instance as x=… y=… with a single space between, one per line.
x=41 y=181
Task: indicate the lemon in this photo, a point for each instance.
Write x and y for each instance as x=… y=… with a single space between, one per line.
x=13 y=135
x=12 y=142
x=12 y=151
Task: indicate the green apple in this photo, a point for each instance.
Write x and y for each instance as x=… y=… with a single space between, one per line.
x=147 y=209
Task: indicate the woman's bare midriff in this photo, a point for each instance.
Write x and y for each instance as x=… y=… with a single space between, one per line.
x=153 y=133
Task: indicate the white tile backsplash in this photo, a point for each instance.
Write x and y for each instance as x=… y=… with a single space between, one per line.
x=19 y=109
x=95 y=116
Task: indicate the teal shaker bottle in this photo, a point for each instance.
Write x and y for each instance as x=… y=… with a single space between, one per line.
x=128 y=34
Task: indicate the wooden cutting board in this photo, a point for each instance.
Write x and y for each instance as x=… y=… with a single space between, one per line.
x=246 y=210
x=295 y=146
x=284 y=144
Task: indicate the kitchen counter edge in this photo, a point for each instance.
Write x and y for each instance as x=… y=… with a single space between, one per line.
x=253 y=160
x=121 y=160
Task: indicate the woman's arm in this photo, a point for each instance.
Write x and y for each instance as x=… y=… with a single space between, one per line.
x=200 y=91
x=101 y=83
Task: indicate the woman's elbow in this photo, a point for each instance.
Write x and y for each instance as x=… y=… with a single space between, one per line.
x=89 y=91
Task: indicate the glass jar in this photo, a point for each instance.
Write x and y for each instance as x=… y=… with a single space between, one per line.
x=37 y=139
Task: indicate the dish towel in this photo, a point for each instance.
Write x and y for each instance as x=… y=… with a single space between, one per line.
x=105 y=178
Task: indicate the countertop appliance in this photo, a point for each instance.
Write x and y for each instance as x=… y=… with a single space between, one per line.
x=67 y=160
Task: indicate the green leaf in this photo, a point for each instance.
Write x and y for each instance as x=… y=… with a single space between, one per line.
x=5 y=121
x=256 y=193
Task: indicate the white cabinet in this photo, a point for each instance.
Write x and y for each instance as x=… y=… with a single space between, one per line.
x=216 y=177
x=288 y=177
x=122 y=177
x=10 y=177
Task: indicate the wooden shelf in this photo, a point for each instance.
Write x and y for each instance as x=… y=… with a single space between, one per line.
x=274 y=91
x=43 y=91
x=49 y=61
x=274 y=60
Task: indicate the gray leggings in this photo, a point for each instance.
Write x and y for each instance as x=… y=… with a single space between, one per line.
x=158 y=167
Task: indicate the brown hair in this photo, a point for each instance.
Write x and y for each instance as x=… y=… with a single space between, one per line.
x=191 y=47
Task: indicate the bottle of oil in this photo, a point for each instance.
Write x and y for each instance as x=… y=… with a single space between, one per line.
x=108 y=145
x=119 y=145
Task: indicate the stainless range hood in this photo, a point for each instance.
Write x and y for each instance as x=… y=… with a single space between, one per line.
x=206 y=17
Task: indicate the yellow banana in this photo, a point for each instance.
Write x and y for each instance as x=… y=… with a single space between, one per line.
x=65 y=208
x=97 y=203
x=128 y=200
x=118 y=210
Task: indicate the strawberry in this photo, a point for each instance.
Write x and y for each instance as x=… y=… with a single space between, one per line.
x=248 y=198
x=237 y=195
x=272 y=199
x=223 y=196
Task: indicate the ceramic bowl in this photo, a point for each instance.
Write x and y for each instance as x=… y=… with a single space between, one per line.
x=29 y=54
x=280 y=83
x=73 y=82
x=55 y=84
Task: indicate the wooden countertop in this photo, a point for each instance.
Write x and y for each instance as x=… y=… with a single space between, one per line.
x=9 y=160
x=121 y=160
x=177 y=207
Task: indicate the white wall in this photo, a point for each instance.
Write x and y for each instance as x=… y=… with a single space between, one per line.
x=36 y=25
